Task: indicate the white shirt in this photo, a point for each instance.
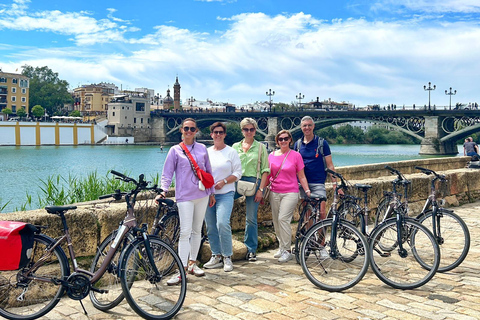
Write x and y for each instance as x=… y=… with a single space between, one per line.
x=224 y=163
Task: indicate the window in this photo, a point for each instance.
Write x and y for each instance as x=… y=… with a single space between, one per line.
x=14 y=90
x=15 y=80
x=134 y=120
x=3 y=80
x=24 y=91
x=24 y=83
x=141 y=120
x=140 y=107
x=14 y=109
x=14 y=99
x=113 y=114
x=24 y=99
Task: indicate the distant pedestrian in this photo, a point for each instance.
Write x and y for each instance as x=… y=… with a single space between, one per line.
x=470 y=148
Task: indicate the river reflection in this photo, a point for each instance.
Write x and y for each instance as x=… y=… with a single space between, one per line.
x=23 y=167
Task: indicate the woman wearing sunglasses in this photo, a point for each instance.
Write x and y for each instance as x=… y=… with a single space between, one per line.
x=227 y=169
x=286 y=166
x=248 y=151
x=191 y=196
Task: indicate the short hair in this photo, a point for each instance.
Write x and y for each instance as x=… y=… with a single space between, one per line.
x=306 y=118
x=247 y=121
x=216 y=125
x=282 y=132
x=189 y=119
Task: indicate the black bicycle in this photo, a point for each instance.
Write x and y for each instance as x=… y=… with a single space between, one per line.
x=450 y=231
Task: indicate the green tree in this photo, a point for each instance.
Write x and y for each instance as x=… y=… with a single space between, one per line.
x=38 y=111
x=75 y=113
x=7 y=111
x=46 y=89
x=328 y=133
x=21 y=113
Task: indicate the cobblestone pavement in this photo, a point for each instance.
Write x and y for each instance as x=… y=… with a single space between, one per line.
x=267 y=289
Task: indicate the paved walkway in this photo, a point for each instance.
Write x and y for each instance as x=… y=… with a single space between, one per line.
x=268 y=290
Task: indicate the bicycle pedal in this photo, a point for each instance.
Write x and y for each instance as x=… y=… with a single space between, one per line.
x=99 y=290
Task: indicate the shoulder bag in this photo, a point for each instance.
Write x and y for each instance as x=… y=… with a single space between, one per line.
x=206 y=179
x=266 y=193
x=247 y=188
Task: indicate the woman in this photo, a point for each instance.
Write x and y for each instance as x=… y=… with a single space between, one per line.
x=248 y=150
x=192 y=198
x=286 y=166
x=227 y=169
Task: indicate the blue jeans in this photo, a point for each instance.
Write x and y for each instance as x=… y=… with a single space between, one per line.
x=219 y=230
x=251 y=227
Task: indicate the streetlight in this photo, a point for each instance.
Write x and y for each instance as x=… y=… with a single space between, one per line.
x=429 y=89
x=300 y=97
x=270 y=93
x=450 y=94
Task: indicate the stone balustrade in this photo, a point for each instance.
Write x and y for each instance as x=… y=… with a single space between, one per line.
x=92 y=221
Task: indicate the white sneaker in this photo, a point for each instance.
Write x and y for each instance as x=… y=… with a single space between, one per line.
x=278 y=254
x=195 y=270
x=175 y=279
x=227 y=264
x=324 y=254
x=286 y=256
x=215 y=262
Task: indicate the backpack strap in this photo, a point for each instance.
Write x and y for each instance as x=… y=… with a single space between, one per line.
x=319 y=149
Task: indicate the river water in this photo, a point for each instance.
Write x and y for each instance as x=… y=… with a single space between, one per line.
x=22 y=168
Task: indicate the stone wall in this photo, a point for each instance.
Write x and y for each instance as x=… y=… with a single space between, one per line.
x=93 y=221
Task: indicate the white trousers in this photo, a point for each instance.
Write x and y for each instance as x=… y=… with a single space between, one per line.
x=283 y=205
x=191 y=214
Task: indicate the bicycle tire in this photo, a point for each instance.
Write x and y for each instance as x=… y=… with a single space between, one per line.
x=404 y=270
x=168 y=229
x=110 y=280
x=302 y=228
x=455 y=238
x=149 y=297
x=349 y=210
x=333 y=273
x=41 y=296
x=382 y=210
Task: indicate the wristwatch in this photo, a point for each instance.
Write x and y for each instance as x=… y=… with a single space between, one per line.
x=260 y=189
x=225 y=180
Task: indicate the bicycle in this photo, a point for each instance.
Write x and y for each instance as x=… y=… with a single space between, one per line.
x=449 y=230
x=404 y=253
x=309 y=215
x=333 y=253
x=36 y=289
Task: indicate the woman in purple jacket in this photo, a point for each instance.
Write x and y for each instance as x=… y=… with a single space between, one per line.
x=192 y=198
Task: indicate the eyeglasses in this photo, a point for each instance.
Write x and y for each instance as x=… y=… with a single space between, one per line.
x=283 y=139
x=248 y=129
x=192 y=129
x=218 y=132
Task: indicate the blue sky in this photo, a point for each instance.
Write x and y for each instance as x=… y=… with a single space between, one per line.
x=363 y=52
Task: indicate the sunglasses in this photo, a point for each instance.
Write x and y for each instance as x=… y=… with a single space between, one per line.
x=218 y=132
x=192 y=129
x=247 y=129
x=283 y=139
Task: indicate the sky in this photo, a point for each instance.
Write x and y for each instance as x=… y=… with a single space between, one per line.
x=357 y=51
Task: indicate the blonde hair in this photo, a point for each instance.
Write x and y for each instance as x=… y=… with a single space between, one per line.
x=247 y=121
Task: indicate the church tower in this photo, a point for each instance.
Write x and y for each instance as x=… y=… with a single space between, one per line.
x=176 y=95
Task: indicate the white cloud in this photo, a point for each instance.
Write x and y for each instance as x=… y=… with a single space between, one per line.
x=433 y=6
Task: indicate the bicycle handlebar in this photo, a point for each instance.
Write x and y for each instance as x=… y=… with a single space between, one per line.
x=429 y=171
x=343 y=184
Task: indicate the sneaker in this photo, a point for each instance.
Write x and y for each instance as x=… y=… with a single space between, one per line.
x=278 y=254
x=286 y=256
x=175 y=279
x=324 y=253
x=227 y=264
x=195 y=270
x=251 y=256
x=215 y=262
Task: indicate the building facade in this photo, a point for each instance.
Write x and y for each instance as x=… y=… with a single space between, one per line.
x=14 y=91
x=176 y=95
x=93 y=98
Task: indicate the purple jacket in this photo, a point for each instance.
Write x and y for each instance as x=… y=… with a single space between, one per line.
x=186 y=183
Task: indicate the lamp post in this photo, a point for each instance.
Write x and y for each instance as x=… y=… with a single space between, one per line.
x=270 y=93
x=429 y=89
x=300 y=97
x=450 y=94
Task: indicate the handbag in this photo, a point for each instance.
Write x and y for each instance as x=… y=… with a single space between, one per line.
x=247 y=188
x=268 y=188
x=205 y=178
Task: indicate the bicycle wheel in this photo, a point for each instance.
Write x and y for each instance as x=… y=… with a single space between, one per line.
x=402 y=269
x=453 y=240
x=148 y=295
x=110 y=280
x=324 y=265
x=168 y=229
x=350 y=211
x=28 y=297
x=302 y=228
x=382 y=210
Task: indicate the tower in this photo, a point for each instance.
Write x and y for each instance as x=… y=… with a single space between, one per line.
x=176 y=95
